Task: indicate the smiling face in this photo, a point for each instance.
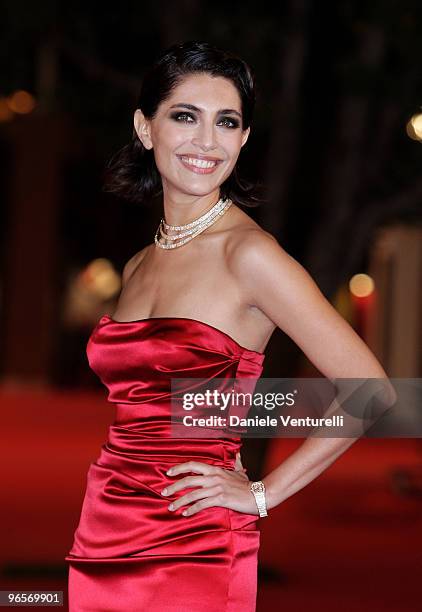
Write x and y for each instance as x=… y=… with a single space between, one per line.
x=196 y=134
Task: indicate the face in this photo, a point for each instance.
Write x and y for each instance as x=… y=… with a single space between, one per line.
x=196 y=134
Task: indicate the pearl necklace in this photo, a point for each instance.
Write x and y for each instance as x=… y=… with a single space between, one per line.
x=192 y=229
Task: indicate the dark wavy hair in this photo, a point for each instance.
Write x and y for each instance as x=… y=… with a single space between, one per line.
x=132 y=173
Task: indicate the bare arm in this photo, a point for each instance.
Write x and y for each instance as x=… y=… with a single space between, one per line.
x=277 y=284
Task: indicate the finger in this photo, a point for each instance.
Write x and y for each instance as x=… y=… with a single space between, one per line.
x=208 y=502
x=192 y=466
x=186 y=482
x=193 y=496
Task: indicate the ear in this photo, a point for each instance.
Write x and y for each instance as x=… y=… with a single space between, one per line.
x=142 y=128
x=245 y=136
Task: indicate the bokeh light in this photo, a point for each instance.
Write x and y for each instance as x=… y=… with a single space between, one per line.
x=361 y=285
x=100 y=278
x=21 y=102
x=414 y=127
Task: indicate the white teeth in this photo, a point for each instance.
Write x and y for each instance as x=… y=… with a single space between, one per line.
x=200 y=163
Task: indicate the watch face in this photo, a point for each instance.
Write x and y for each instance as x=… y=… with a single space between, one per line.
x=257 y=487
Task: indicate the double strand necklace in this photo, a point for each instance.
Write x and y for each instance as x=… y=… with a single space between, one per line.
x=188 y=231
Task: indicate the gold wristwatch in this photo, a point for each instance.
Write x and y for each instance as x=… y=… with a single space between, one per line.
x=258 y=490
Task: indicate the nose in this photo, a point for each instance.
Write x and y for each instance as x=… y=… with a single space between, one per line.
x=205 y=137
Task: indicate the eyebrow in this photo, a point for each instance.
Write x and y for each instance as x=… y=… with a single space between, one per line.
x=195 y=108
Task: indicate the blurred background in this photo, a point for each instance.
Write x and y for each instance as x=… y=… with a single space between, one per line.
x=336 y=140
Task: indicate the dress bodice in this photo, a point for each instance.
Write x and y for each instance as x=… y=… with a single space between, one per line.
x=136 y=360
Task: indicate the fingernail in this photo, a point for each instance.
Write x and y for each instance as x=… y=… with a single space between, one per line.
x=169 y=472
x=164 y=492
x=184 y=512
x=171 y=507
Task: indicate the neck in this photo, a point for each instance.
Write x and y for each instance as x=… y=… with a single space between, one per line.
x=180 y=209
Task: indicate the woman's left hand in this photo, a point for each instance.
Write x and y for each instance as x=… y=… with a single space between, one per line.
x=215 y=486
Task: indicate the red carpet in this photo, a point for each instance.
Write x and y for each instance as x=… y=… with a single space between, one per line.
x=347 y=541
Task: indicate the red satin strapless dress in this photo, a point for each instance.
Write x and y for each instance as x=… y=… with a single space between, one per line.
x=130 y=553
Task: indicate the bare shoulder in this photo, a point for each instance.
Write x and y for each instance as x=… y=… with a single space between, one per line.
x=260 y=265
x=132 y=263
x=251 y=246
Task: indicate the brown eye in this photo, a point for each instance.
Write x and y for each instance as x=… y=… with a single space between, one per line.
x=230 y=123
x=183 y=116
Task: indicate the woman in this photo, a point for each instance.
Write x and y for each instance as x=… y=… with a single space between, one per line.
x=169 y=523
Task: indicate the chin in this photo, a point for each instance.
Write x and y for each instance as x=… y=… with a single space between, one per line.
x=202 y=190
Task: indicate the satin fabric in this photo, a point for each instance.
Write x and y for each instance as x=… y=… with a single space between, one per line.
x=130 y=553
